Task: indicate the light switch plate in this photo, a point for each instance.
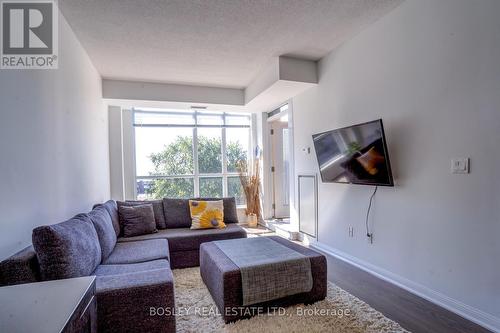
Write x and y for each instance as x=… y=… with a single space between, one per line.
x=460 y=165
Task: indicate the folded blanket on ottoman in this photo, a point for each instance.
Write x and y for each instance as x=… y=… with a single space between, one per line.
x=269 y=270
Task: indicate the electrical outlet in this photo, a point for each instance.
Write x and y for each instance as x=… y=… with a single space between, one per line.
x=370 y=238
x=351 y=231
x=460 y=165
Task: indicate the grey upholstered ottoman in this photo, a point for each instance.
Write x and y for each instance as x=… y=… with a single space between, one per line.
x=223 y=279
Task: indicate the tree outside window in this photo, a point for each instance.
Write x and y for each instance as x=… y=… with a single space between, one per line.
x=172 y=171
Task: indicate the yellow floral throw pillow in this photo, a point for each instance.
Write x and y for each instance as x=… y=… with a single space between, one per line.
x=207 y=214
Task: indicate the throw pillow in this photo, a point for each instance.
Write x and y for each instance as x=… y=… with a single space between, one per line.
x=137 y=220
x=112 y=209
x=157 y=209
x=68 y=249
x=207 y=214
x=177 y=213
x=105 y=231
x=230 y=211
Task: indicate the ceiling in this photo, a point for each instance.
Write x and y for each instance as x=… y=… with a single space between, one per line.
x=219 y=43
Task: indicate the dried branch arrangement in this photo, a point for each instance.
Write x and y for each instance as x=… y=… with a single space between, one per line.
x=250 y=181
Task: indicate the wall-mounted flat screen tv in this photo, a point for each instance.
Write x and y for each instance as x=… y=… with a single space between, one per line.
x=354 y=155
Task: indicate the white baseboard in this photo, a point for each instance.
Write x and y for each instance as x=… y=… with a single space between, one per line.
x=475 y=315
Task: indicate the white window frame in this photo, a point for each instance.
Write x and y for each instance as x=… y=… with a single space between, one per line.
x=196 y=174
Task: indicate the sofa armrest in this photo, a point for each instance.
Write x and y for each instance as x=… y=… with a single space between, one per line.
x=21 y=267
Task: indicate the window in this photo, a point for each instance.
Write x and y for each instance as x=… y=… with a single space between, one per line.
x=209 y=150
x=185 y=154
x=286 y=166
x=236 y=146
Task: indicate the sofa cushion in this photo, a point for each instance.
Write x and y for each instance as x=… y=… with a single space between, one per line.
x=68 y=249
x=103 y=270
x=112 y=209
x=137 y=220
x=138 y=251
x=185 y=259
x=124 y=301
x=107 y=282
x=230 y=211
x=177 y=213
x=157 y=208
x=104 y=228
x=185 y=239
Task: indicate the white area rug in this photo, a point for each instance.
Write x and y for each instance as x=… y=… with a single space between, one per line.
x=342 y=312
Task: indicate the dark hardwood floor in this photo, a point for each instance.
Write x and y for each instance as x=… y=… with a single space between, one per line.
x=410 y=311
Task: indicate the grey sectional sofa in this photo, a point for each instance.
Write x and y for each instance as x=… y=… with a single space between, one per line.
x=132 y=273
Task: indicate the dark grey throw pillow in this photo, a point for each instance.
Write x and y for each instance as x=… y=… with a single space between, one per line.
x=177 y=214
x=137 y=220
x=157 y=209
x=230 y=211
x=68 y=249
x=105 y=231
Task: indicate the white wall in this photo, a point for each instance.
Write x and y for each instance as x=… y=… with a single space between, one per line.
x=53 y=143
x=431 y=70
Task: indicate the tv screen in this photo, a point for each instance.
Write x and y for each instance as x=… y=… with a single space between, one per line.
x=355 y=155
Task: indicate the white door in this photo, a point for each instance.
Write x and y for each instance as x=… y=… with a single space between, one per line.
x=280 y=169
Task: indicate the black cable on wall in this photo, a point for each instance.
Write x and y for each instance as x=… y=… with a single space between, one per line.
x=368 y=234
